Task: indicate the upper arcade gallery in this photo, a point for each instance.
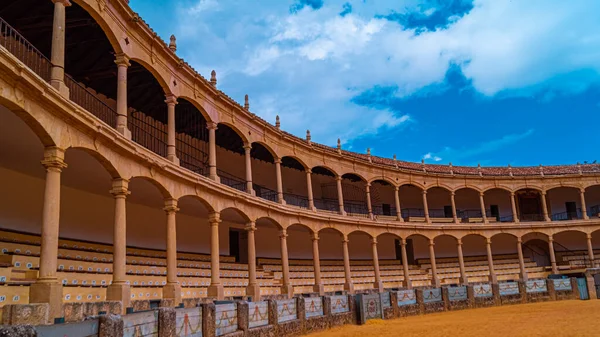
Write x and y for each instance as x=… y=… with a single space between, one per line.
x=106 y=62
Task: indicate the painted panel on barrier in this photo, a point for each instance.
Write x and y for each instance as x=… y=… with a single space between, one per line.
x=508 y=288
x=386 y=300
x=141 y=324
x=286 y=310
x=188 y=322
x=339 y=304
x=87 y=328
x=406 y=297
x=432 y=295
x=536 y=286
x=258 y=314
x=226 y=320
x=457 y=293
x=313 y=306
x=371 y=305
x=562 y=284
x=483 y=290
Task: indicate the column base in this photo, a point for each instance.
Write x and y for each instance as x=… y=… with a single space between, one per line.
x=319 y=288
x=61 y=87
x=435 y=282
x=343 y=213
x=253 y=291
x=119 y=292
x=172 y=292
x=215 y=178
x=287 y=290
x=122 y=129
x=216 y=291
x=173 y=158
x=493 y=279
x=349 y=287
x=464 y=281
x=379 y=286
x=408 y=284
x=48 y=292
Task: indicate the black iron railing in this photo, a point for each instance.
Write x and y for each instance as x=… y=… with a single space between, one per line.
x=148 y=132
x=385 y=211
x=81 y=96
x=265 y=193
x=190 y=156
x=356 y=208
x=231 y=180
x=17 y=45
x=327 y=205
x=594 y=210
x=506 y=218
x=296 y=200
x=562 y=216
x=531 y=217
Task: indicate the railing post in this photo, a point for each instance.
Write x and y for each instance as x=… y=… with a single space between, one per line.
x=57 y=57
x=171 y=101
x=122 y=62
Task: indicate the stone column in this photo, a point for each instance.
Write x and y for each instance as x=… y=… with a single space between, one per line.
x=311 y=201
x=253 y=288
x=461 y=263
x=425 y=206
x=513 y=204
x=453 y=203
x=349 y=285
x=46 y=288
x=378 y=285
x=122 y=62
x=407 y=282
x=434 y=279
x=397 y=200
x=287 y=288
x=171 y=101
x=369 y=206
x=552 y=255
x=584 y=214
x=172 y=290
x=488 y=246
x=340 y=193
x=57 y=54
x=590 y=248
x=279 y=181
x=247 y=149
x=119 y=290
x=212 y=151
x=318 y=287
x=215 y=289
x=522 y=269
x=544 y=206
x=482 y=204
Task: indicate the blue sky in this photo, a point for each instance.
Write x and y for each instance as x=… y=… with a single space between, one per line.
x=494 y=82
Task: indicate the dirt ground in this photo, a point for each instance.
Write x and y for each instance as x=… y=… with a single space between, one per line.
x=564 y=318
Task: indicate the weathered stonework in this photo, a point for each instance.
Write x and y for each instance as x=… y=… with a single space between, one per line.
x=17 y=331
x=208 y=320
x=111 y=326
x=26 y=314
x=140 y=305
x=459 y=304
x=431 y=307
x=166 y=322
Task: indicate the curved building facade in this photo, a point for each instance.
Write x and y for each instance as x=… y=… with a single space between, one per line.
x=139 y=153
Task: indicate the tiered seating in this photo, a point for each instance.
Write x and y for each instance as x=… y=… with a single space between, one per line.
x=577 y=259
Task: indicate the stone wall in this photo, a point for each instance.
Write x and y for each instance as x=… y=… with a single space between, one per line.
x=537 y=290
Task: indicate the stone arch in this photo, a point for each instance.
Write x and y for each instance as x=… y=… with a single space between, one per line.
x=164 y=83
x=199 y=107
x=266 y=146
x=526 y=187
x=204 y=202
x=236 y=211
x=296 y=158
x=327 y=168
x=105 y=26
x=298 y=224
x=361 y=231
x=331 y=228
x=269 y=220
x=236 y=130
x=499 y=187
x=32 y=120
x=103 y=161
x=438 y=185
x=384 y=179
x=348 y=174
x=163 y=190
x=412 y=183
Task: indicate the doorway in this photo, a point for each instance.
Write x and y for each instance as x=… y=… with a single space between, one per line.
x=238 y=245
x=571 y=208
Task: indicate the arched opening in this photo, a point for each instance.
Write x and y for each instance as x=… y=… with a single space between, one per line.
x=324 y=189
x=302 y=272
x=570 y=249
x=193 y=228
x=230 y=157
x=263 y=172
x=592 y=200
x=389 y=250
x=295 y=190
x=506 y=265
x=498 y=202
x=535 y=248
x=90 y=71
x=564 y=203
x=446 y=258
x=355 y=196
x=383 y=199
x=411 y=203
x=360 y=253
x=191 y=137
x=439 y=204
x=468 y=206
x=418 y=253
x=529 y=205
x=332 y=255
x=146 y=219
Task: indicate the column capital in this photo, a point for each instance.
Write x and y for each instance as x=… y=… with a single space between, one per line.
x=283 y=234
x=374 y=241
x=512 y=193
x=122 y=60
x=481 y=194
x=315 y=236
x=543 y=192
x=345 y=239
x=214 y=218
x=277 y=160
x=338 y=178
x=120 y=188
x=519 y=240
x=171 y=206
x=488 y=241
x=459 y=242
x=368 y=185
x=170 y=99
x=550 y=238
x=250 y=226
x=396 y=188
x=65 y=3
x=403 y=242
x=431 y=242
x=424 y=192
x=247 y=146
x=308 y=171
x=54 y=158
x=452 y=193
x=582 y=190
x=211 y=125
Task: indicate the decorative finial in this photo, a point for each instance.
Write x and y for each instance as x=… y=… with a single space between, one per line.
x=308 y=136
x=423 y=164
x=451 y=168
x=479 y=169
x=213 y=78
x=277 y=122
x=369 y=154
x=579 y=169
x=395 y=161
x=339 y=146
x=541 y=170
x=510 y=170
x=173 y=43
x=246 y=103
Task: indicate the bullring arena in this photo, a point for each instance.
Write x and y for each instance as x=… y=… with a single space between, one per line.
x=139 y=200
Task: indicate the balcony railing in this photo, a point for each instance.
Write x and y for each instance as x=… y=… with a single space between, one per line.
x=296 y=200
x=17 y=45
x=531 y=217
x=330 y=205
x=265 y=193
x=562 y=216
x=231 y=180
x=387 y=211
x=595 y=210
x=81 y=96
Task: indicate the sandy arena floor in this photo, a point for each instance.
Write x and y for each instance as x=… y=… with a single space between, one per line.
x=564 y=318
